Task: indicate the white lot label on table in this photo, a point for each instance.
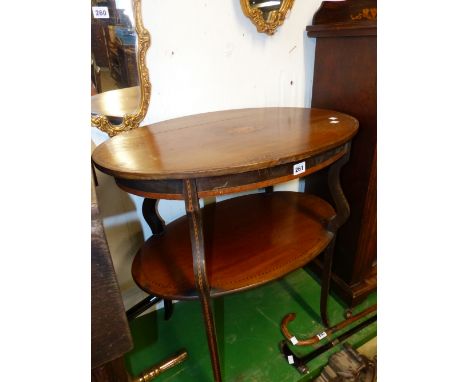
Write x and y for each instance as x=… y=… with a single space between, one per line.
x=299 y=168
x=100 y=12
x=322 y=335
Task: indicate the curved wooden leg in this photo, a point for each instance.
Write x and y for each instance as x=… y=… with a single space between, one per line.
x=157 y=226
x=339 y=199
x=325 y=289
x=192 y=207
x=152 y=217
x=142 y=306
x=168 y=309
x=342 y=214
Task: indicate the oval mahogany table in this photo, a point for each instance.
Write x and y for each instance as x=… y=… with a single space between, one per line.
x=242 y=242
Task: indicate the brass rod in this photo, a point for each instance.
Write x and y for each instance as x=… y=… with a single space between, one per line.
x=156 y=370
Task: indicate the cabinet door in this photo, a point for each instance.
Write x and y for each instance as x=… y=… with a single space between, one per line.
x=345 y=79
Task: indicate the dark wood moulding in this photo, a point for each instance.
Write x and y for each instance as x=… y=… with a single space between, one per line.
x=172 y=189
x=346 y=18
x=249 y=240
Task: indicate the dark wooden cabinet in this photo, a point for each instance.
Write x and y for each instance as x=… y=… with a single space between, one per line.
x=345 y=79
x=110 y=333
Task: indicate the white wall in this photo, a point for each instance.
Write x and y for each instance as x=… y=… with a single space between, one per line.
x=205 y=56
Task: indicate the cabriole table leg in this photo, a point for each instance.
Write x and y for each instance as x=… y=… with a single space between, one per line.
x=325 y=289
x=152 y=216
x=342 y=214
x=192 y=207
x=157 y=226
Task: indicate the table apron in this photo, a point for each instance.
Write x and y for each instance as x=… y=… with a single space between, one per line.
x=173 y=189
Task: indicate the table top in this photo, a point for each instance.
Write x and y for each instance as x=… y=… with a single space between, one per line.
x=223 y=143
x=116 y=103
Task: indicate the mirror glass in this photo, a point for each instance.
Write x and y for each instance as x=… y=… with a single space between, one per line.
x=115 y=84
x=120 y=84
x=267 y=7
x=267 y=15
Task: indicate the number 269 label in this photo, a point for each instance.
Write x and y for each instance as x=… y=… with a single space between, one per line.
x=100 y=12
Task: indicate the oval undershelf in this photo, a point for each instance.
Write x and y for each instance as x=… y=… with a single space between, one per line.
x=249 y=240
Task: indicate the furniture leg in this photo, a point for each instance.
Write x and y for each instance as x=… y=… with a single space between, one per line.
x=336 y=192
x=168 y=309
x=140 y=307
x=192 y=207
x=152 y=216
x=342 y=214
x=157 y=226
x=325 y=289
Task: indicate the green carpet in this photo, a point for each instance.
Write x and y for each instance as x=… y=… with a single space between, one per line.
x=248 y=333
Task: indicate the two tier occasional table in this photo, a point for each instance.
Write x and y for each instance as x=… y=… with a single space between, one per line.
x=242 y=242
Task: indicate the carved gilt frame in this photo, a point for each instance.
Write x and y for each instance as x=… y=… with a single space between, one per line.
x=132 y=121
x=277 y=17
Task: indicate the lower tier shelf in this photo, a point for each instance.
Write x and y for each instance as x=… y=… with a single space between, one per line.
x=249 y=241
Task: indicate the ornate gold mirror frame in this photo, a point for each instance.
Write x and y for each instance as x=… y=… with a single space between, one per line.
x=132 y=120
x=275 y=18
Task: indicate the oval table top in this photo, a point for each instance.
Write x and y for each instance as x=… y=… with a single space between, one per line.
x=116 y=103
x=223 y=142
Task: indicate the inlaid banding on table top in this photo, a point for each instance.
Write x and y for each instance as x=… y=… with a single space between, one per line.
x=223 y=143
x=227 y=184
x=249 y=241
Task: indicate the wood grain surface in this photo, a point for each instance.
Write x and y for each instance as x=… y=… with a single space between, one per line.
x=249 y=240
x=224 y=142
x=345 y=78
x=233 y=183
x=110 y=333
x=116 y=103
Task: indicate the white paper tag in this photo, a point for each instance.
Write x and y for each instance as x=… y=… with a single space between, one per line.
x=290 y=359
x=321 y=335
x=299 y=168
x=294 y=340
x=100 y=12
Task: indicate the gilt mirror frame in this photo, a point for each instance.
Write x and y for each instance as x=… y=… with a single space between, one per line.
x=132 y=120
x=256 y=16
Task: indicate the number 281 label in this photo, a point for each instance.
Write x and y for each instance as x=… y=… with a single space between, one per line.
x=299 y=168
x=100 y=12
